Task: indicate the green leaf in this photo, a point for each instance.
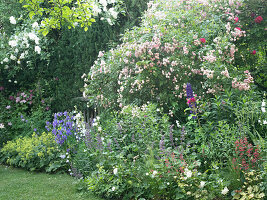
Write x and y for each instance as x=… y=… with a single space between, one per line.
x=45 y=32
x=31 y=14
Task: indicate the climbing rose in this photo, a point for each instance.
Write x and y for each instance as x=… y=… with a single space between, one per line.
x=238 y=28
x=253 y=52
x=203 y=40
x=236 y=19
x=258 y=19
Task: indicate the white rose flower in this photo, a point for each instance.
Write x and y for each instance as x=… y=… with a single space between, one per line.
x=263 y=106
x=12 y=20
x=2 y=125
x=12 y=43
x=6 y=60
x=12 y=57
x=22 y=56
x=103 y=2
x=32 y=36
x=113 y=13
x=35 y=25
x=115 y=171
x=202 y=184
x=37 y=49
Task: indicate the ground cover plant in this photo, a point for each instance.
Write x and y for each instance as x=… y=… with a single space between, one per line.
x=179 y=106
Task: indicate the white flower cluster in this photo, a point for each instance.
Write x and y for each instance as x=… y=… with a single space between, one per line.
x=107 y=8
x=20 y=44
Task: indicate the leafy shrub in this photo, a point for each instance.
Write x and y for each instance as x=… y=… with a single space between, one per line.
x=176 y=43
x=36 y=153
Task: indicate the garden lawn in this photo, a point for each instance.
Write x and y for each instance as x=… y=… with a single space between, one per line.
x=20 y=184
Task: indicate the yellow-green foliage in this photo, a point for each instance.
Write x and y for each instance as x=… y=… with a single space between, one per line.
x=253 y=187
x=35 y=153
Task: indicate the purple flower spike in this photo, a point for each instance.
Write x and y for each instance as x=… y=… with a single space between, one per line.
x=189 y=91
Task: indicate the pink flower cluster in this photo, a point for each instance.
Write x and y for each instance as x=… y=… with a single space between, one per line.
x=245 y=84
x=23 y=98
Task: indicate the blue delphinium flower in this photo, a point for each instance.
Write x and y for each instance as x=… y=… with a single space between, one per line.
x=62 y=127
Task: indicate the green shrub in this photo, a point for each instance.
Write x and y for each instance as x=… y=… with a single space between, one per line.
x=36 y=153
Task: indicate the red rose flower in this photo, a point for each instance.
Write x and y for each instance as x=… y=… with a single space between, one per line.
x=258 y=19
x=238 y=28
x=203 y=40
x=236 y=19
x=253 y=52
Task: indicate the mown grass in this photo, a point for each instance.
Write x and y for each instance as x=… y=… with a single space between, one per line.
x=18 y=184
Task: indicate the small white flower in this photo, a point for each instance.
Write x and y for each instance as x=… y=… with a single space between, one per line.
x=113 y=188
x=178 y=124
x=147 y=174
x=15 y=82
x=62 y=156
x=202 y=184
x=2 y=125
x=95 y=124
x=99 y=129
x=263 y=106
x=115 y=171
x=225 y=191
x=37 y=49
x=168 y=183
x=188 y=173
x=98 y=118
x=67 y=161
x=155 y=172
x=12 y=20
